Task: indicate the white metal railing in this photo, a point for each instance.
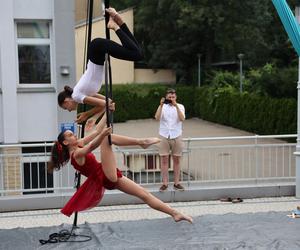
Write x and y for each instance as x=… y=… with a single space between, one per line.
x=221 y=159
x=206 y=159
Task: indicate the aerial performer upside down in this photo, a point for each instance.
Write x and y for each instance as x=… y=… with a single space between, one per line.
x=86 y=89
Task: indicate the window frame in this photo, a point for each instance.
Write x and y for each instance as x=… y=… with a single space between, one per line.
x=35 y=41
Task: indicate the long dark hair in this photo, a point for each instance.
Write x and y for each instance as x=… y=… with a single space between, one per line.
x=67 y=92
x=59 y=154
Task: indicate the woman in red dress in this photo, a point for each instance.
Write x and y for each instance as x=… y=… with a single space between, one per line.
x=104 y=175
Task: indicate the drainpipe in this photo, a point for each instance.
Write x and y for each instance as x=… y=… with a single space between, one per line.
x=297 y=13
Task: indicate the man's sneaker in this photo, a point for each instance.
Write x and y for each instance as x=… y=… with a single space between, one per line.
x=178 y=187
x=163 y=188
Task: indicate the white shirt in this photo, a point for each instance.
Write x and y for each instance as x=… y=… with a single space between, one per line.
x=89 y=83
x=170 y=126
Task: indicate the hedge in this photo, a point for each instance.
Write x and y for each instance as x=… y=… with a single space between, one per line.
x=250 y=112
x=257 y=114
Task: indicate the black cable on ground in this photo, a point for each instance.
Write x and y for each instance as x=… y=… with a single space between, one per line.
x=64 y=236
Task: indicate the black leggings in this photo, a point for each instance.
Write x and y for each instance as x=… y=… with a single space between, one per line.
x=130 y=50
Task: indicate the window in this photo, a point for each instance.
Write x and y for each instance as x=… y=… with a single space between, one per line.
x=35 y=175
x=34 y=52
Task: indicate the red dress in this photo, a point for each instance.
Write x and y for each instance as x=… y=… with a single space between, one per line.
x=91 y=191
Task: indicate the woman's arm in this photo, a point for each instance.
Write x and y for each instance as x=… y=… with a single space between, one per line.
x=82 y=152
x=87 y=114
x=100 y=126
x=102 y=97
x=94 y=101
x=98 y=101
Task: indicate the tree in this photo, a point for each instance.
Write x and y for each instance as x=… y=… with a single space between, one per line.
x=173 y=32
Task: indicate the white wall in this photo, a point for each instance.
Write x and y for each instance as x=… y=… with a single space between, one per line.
x=1 y=104
x=151 y=76
x=64 y=35
x=1 y=119
x=37 y=117
x=32 y=9
x=32 y=114
x=8 y=71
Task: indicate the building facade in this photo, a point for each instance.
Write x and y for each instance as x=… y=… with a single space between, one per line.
x=36 y=60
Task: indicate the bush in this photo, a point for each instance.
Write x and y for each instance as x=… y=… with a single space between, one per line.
x=134 y=102
x=274 y=82
x=250 y=112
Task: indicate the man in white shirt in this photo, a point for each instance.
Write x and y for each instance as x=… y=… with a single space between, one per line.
x=170 y=114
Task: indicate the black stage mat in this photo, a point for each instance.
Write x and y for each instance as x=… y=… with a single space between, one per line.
x=273 y=230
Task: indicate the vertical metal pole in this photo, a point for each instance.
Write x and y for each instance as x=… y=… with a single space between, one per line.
x=241 y=75
x=241 y=56
x=106 y=6
x=91 y=4
x=199 y=70
x=107 y=33
x=106 y=95
x=189 y=169
x=297 y=12
x=77 y=174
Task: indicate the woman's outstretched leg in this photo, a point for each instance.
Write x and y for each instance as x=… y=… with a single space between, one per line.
x=128 y=186
x=121 y=140
x=108 y=161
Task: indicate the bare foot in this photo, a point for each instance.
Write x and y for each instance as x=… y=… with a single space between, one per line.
x=90 y=124
x=115 y=15
x=112 y=24
x=179 y=217
x=111 y=11
x=145 y=143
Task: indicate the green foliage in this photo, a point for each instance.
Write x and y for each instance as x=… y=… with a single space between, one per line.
x=275 y=82
x=250 y=112
x=224 y=105
x=173 y=32
x=140 y=101
x=268 y=80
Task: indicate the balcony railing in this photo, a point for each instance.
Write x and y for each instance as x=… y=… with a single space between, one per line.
x=210 y=159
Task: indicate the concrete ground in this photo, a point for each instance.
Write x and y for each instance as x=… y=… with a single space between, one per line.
x=53 y=217
x=191 y=128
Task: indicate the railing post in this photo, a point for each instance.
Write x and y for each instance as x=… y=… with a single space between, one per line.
x=188 y=151
x=1 y=172
x=256 y=157
x=46 y=172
